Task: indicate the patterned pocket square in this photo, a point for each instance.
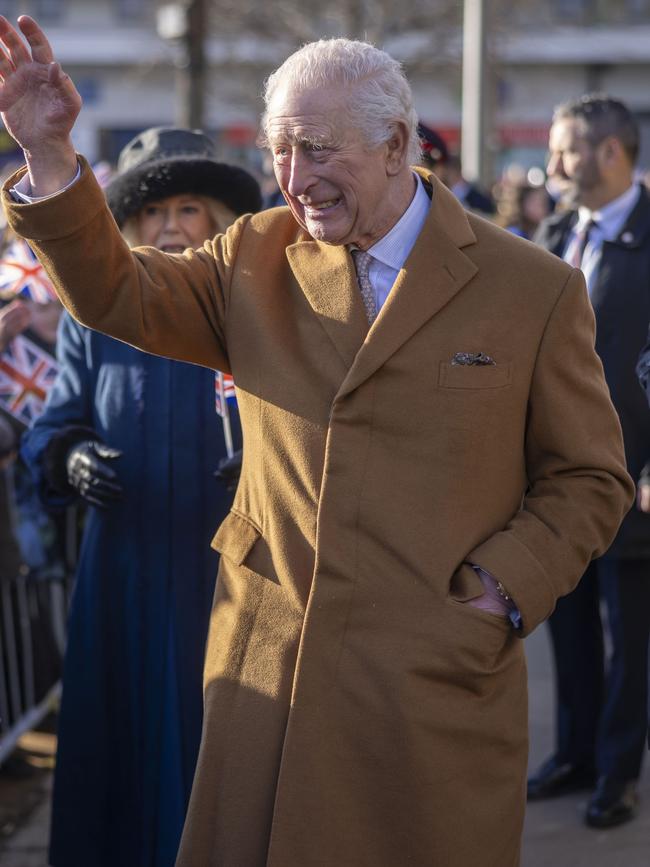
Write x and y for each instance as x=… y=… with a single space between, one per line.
x=472 y=358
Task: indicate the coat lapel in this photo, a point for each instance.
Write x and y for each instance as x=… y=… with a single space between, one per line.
x=433 y=273
x=327 y=278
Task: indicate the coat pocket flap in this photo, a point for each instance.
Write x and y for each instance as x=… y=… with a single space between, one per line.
x=474 y=375
x=235 y=537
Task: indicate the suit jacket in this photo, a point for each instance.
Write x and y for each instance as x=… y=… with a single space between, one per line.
x=356 y=712
x=621 y=302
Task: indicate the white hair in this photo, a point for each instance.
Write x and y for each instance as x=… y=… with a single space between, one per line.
x=378 y=93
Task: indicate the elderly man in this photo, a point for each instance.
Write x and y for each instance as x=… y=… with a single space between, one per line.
x=431 y=459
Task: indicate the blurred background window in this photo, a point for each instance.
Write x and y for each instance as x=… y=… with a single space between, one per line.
x=47 y=10
x=638 y=10
x=131 y=10
x=570 y=11
x=9 y=8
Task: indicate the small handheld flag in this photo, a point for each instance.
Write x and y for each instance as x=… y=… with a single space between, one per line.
x=22 y=275
x=27 y=373
x=224 y=390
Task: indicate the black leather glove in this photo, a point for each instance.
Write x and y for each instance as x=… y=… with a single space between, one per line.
x=90 y=475
x=229 y=470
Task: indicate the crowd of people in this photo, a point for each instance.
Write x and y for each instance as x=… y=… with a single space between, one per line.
x=377 y=568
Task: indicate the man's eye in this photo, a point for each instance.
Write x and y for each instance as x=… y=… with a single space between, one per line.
x=190 y=209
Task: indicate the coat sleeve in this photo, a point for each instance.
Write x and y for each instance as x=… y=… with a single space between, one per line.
x=67 y=417
x=579 y=489
x=170 y=305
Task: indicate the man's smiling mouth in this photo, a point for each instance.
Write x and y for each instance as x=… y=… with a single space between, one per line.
x=321 y=206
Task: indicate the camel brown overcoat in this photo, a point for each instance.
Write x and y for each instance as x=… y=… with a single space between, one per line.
x=357 y=712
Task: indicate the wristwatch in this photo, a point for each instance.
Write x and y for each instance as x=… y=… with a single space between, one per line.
x=503 y=593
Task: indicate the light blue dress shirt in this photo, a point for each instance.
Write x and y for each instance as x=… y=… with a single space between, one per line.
x=391 y=252
x=609 y=221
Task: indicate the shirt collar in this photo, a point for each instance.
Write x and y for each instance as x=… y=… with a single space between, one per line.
x=393 y=249
x=611 y=217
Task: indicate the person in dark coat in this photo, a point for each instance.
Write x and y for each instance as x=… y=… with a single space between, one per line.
x=137 y=436
x=470 y=195
x=601 y=709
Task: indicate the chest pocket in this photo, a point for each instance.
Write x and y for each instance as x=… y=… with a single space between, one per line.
x=474 y=375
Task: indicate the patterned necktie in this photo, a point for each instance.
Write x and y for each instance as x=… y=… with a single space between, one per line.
x=362 y=261
x=582 y=239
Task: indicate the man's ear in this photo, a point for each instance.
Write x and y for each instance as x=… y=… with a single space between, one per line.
x=611 y=151
x=397 y=148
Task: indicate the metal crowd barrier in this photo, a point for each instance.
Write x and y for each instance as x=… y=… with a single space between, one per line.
x=22 y=706
x=33 y=612
x=32 y=630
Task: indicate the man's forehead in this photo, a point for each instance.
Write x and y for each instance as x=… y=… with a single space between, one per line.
x=567 y=131
x=294 y=130
x=310 y=105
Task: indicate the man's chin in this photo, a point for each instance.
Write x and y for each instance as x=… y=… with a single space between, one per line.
x=323 y=233
x=569 y=194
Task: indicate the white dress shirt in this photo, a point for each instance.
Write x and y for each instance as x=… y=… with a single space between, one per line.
x=609 y=221
x=23 y=189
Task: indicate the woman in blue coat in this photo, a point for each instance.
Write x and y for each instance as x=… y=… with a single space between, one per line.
x=139 y=439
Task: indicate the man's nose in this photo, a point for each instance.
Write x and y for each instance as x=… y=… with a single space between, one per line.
x=554 y=165
x=300 y=174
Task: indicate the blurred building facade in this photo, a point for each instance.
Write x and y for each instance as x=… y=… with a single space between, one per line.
x=542 y=52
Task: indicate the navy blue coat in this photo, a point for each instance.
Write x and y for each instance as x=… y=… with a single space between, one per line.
x=621 y=302
x=131 y=713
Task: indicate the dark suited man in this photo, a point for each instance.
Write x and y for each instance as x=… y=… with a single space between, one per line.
x=601 y=709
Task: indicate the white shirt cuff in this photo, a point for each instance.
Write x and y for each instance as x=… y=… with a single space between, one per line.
x=22 y=192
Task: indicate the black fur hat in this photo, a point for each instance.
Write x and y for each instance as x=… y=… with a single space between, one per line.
x=169 y=161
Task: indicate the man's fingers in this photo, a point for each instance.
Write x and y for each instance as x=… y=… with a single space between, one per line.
x=6 y=66
x=15 y=46
x=38 y=42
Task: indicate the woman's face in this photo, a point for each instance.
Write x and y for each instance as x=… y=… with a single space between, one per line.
x=175 y=223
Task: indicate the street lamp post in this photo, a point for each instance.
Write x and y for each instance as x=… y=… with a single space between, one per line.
x=475 y=92
x=184 y=24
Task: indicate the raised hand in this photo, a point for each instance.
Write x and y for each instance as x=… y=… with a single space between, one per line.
x=38 y=104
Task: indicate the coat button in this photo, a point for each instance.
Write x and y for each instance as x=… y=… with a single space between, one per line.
x=627 y=237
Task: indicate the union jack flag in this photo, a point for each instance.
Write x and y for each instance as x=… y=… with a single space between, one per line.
x=21 y=274
x=224 y=390
x=27 y=373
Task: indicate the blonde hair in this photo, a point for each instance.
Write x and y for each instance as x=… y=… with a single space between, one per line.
x=220 y=216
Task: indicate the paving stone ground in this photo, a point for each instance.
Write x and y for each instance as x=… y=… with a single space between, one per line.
x=554 y=834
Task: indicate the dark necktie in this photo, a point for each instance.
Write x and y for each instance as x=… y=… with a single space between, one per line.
x=362 y=261
x=582 y=239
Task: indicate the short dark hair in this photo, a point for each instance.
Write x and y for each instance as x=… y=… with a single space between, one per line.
x=603 y=116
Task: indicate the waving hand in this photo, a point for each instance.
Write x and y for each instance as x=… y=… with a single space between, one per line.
x=38 y=104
